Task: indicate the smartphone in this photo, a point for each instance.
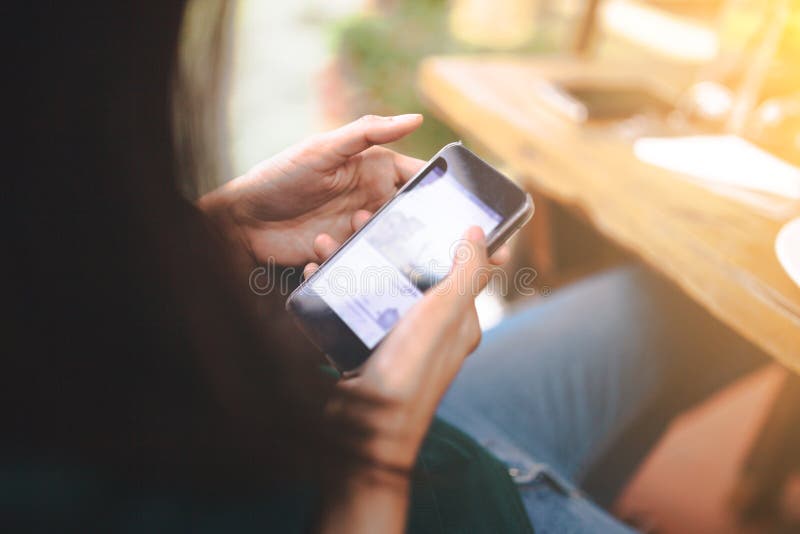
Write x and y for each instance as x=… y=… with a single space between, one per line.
x=355 y=297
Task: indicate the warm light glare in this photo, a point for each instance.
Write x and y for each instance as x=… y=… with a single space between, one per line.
x=722 y=159
x=497 y=24
x=666 y=34
x=712 y=100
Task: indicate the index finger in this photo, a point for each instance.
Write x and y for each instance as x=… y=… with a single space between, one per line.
x=336 y=146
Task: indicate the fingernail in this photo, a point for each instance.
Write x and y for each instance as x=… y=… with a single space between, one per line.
x=408 y=117
x=475 y=235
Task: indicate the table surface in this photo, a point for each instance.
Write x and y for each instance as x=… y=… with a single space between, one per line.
x=717 y=247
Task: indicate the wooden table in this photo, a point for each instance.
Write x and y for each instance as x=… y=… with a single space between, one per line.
x=718 y=249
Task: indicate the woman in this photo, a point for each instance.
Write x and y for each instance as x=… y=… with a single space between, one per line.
x=145 y=393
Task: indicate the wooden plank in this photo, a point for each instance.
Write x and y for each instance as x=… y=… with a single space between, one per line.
x=718 y=250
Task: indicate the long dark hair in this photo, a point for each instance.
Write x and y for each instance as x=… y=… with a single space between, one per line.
x=133 y=345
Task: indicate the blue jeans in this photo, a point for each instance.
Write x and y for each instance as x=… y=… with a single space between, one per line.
x=573 y=391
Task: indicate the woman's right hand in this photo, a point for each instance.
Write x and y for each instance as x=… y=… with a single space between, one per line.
x=404 y=380
x=396 y=392
x=420 y=357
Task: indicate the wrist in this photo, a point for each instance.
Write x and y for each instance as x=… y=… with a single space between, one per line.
x=378 y=477
x=392 y=436
x=367 y=500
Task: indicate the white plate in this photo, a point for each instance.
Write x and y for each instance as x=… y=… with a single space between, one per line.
x=787 y=247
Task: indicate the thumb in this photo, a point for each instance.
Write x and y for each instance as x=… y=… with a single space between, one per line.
x=471 y=271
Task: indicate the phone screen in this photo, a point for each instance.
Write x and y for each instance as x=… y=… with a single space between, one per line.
x=407 y=248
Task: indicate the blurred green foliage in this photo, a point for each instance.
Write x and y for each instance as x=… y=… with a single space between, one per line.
x=380 y=53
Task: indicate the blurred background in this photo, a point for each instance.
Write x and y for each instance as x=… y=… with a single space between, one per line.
x=722 y=94
x=308 y=65
x=316 y=64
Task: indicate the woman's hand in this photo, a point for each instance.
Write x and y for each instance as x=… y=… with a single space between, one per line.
x=276 y=209
x=407 y=376
x=396 y=393
x=418 y=360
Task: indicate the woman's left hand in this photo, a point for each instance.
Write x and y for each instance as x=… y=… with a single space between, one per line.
x=276 y=209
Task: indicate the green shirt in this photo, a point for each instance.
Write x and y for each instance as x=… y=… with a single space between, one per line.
x=460 y=487
x=457 y=487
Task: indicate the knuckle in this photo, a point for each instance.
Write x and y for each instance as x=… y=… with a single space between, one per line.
x=472 y=325
x=439 y=310
x=334 y=181
x=476 y=337
x=377 y=151
x=458 y=322
x=471 y=335
x=311 y=143
x=369 y=118
x=314 y=139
